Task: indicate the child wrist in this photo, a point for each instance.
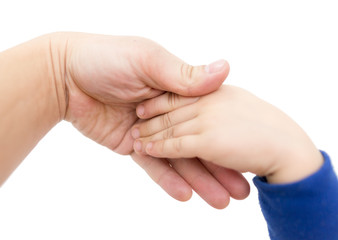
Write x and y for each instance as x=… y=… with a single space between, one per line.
x=297 y=167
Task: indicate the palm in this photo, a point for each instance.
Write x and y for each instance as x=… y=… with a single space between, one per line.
x=103 y=93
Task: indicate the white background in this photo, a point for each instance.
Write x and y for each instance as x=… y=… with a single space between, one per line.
x=286 y=52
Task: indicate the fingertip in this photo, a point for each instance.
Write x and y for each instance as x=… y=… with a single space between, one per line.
x=137 y=146
x=217 y=66
x=176 y=187
x=218 y=199
x=221 y=203
x=227 y=69
x=165 y=176
x=233 y=181
x=140 y=111
x=210 y=79
x=183 y=194
x=242 y=191
x=238 y=186
x=149 y=148
x=135 y=132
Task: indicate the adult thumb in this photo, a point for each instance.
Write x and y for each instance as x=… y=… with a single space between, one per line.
x=169 y=73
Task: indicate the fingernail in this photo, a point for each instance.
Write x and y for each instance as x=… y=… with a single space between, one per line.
x=215 y=66
x=140 y=110
x=137 y=146
x=149 y=147
x=135 y=133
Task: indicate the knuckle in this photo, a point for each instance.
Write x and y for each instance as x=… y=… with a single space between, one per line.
x=166 y=121
x=187 y=72
x=169 y=133
x=173 y=100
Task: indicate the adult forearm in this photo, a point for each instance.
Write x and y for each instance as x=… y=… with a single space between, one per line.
x=32 y=98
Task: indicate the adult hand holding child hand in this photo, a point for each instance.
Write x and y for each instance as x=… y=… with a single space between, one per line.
x=95 y=82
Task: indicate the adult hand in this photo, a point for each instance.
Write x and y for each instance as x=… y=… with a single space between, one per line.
x=105 y=77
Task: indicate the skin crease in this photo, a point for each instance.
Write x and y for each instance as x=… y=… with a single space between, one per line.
x=231 y=128
x=95 y=82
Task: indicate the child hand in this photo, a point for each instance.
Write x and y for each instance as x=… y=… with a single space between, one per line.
x=230 y=128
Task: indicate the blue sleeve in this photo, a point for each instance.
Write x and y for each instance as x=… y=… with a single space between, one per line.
x=307 y=209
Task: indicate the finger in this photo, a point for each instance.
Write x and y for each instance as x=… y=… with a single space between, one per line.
x=165 y=121
x=181 y=147
x=164 y=103
x=165 y=176
x=169 y=73
x=184 y=129
x=203 y=183
x=232 y=180
x=125 y=147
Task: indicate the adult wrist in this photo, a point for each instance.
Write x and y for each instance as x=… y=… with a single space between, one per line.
x=57 y=56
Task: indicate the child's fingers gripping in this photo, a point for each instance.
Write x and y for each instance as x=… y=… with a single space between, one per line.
x=165 y=121
x=162 y=104
x=179 y=130
x=181 y=147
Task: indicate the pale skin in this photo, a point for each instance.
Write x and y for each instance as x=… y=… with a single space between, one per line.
x=231 y=128
x=95 y=82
